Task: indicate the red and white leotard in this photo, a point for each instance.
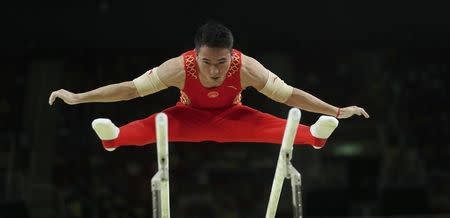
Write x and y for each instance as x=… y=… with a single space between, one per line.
x=196 y=95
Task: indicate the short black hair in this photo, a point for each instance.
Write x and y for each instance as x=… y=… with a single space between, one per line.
x=214 y=35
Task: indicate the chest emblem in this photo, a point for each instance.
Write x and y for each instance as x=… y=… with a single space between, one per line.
x=213 y=94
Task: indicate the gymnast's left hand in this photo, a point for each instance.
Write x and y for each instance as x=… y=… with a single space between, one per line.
x=347 y=112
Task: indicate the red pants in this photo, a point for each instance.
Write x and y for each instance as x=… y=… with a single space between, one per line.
x=235 y=124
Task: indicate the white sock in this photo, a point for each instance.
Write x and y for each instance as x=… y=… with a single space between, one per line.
x=105 y=129
x=323 y=127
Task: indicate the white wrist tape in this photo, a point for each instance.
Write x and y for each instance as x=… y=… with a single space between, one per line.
x=276 y=89
x=149 y=83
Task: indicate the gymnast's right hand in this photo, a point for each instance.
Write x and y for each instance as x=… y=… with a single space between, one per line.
x=66 y=96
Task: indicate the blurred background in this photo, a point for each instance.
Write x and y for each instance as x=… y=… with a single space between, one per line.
x=390 y=57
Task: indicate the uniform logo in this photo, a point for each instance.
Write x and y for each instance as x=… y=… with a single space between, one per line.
x=232 y=87
x=213 y=94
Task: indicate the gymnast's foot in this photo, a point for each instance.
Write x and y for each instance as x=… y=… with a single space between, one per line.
x=106 y=130
x=323 y=128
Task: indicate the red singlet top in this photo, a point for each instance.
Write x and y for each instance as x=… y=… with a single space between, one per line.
x=196 y=95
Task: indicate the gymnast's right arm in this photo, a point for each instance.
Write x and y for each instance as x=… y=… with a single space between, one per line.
x=170 y=73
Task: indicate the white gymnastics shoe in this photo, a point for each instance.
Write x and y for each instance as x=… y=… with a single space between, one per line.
x=323 y=127
x=106 y=130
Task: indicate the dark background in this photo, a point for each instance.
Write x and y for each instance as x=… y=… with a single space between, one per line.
x=392 y=58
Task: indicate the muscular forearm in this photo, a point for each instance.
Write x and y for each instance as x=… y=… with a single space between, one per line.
x=308 y=102
x=110 y=93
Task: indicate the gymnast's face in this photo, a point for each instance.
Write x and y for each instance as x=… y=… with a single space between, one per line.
x=213 y=64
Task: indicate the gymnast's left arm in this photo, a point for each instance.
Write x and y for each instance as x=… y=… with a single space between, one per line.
x=256 y=75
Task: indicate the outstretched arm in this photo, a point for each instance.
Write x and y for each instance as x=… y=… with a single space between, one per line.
x=256 y=75
x=311 y=103
x=110 y=93
x=170 y=73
